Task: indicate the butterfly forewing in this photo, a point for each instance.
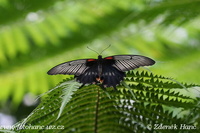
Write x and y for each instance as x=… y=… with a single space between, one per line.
x=75 y=67
x=129 y=62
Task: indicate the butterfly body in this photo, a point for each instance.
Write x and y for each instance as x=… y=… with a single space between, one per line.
x=108 y=71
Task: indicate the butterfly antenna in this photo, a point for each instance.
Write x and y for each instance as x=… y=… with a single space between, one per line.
x=105 y=49
x=92 y=50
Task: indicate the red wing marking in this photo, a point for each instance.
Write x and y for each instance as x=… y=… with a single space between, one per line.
x=109 y=58
x=91 y=60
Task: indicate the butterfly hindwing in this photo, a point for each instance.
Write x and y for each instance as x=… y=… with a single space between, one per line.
x=111 y=76
x=89 y=76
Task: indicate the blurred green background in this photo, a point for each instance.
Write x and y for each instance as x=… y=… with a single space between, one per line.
x=36 y=35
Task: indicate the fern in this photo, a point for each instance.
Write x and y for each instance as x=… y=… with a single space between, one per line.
x=34 y=37
x=68 y=91
x=91 y=110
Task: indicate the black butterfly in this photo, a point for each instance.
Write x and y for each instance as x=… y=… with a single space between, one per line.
x=108 y=71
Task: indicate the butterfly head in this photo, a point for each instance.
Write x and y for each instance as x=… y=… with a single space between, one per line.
x=100 y=57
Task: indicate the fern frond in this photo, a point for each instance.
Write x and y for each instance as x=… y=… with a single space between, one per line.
x=91 y=110
x=69 y=88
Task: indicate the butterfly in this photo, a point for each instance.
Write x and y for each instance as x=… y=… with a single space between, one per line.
x=107 y=72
